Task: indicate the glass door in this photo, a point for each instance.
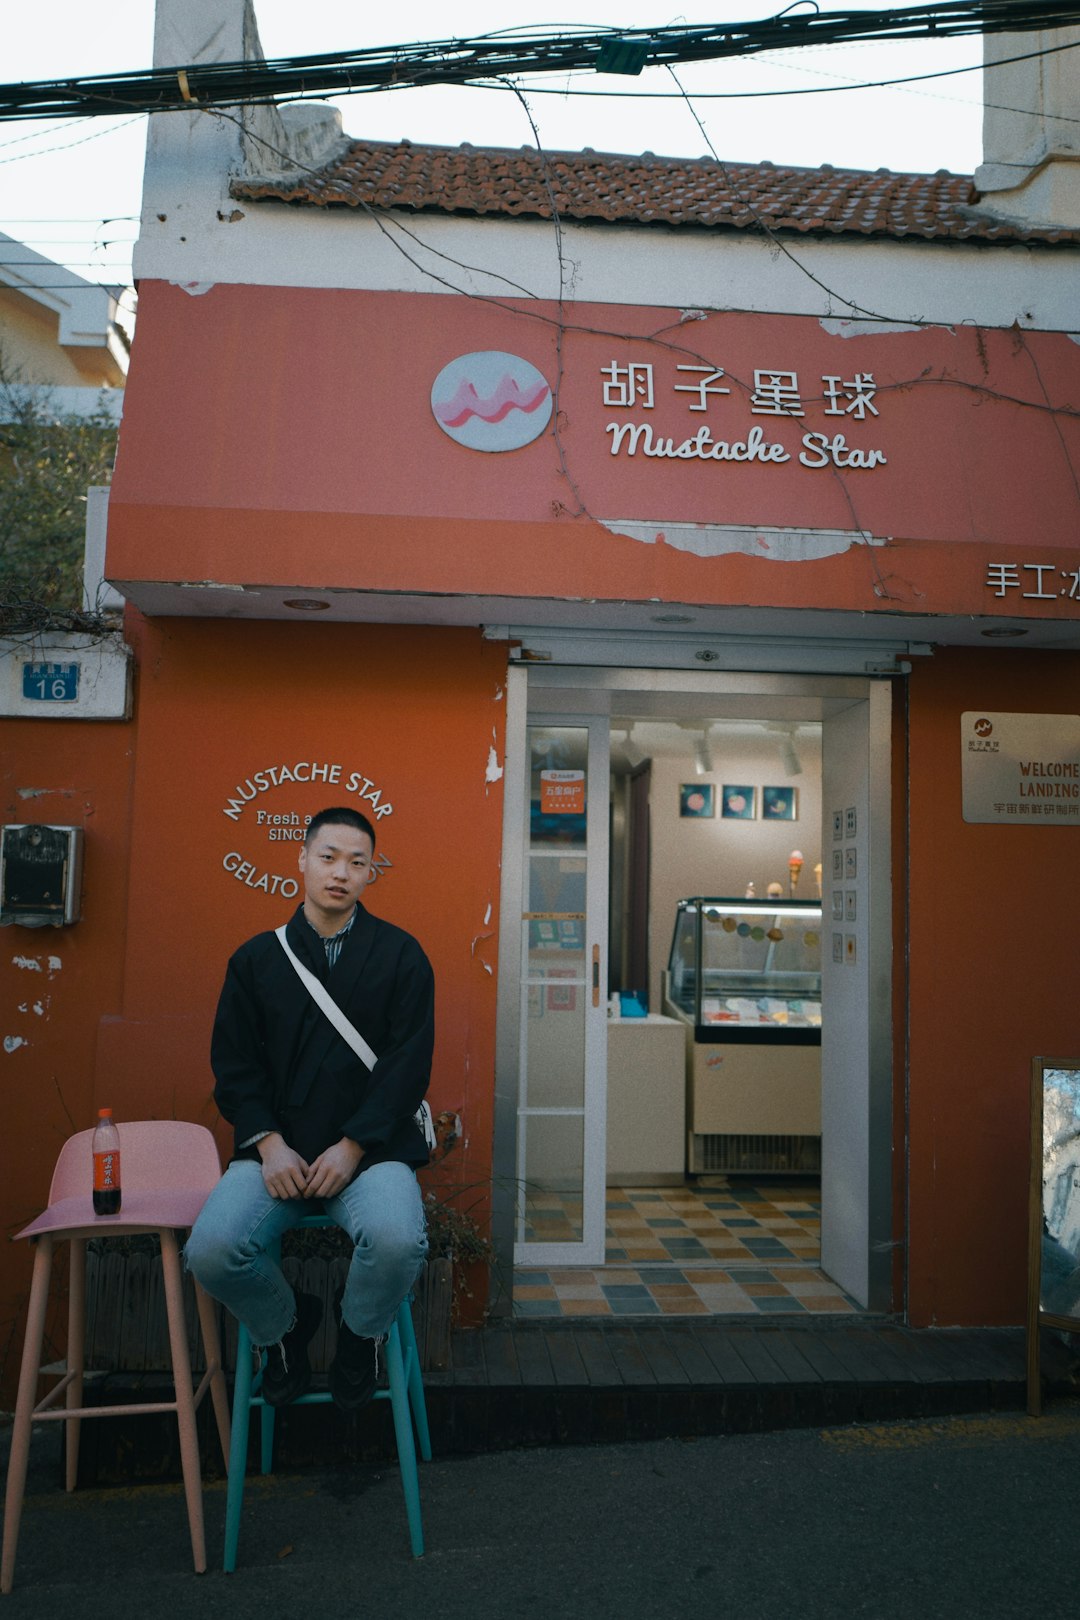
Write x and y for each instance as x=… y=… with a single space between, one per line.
x=562 y=992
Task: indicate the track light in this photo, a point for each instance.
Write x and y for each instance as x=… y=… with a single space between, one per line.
x=703 y=761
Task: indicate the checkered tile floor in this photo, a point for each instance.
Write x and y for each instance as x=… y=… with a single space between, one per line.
x=727 y=1248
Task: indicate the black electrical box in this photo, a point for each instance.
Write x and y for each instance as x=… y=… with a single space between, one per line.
x=40 y=875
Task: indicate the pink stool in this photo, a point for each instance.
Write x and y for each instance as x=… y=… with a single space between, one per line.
x=168 y=1170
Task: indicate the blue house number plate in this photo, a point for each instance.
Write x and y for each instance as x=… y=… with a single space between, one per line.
x=50 y=683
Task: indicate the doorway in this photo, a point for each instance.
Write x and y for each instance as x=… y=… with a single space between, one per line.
x=822 y=749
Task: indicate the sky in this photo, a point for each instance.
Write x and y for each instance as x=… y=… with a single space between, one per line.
x=70 y=188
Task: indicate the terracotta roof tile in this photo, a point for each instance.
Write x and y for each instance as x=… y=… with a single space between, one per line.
x=621 y=189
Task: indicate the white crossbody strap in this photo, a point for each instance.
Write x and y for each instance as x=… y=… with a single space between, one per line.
x=348 y=1032
x=329 y=1006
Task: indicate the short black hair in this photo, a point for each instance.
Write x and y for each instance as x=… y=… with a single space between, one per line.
x=340 y=816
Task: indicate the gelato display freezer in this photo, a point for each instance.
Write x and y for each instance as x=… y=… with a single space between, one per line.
x=744 y=979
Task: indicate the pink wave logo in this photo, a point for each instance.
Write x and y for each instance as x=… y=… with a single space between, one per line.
x=491 y=400
x=494 y=407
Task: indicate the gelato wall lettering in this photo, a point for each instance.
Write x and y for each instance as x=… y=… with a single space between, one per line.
x=309 y=785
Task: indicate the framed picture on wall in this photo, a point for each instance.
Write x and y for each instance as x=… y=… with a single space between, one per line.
x=737 y=802
x=779 y=804
x=697 y=799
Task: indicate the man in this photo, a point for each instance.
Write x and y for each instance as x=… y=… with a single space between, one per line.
x=313 y=1128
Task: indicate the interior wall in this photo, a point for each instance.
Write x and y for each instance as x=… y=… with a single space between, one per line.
x=720 y=856
x=992 y=952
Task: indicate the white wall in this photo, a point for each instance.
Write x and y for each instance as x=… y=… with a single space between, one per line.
x=195 y=234
x=718 y=856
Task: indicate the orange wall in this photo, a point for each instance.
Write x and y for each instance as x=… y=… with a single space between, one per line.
x=992 y=968
x=416 y=711
x=72 y=774
x=235 y=472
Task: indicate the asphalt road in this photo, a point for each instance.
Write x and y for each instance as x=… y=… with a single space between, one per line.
x=974 y=1517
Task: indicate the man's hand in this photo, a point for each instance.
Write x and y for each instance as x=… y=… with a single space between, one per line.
x=333 y=1169
x=284 y=1171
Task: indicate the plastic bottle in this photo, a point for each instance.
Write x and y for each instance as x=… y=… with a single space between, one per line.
x=106 y=1146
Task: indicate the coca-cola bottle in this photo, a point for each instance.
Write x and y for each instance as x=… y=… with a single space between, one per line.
x=106 y=1147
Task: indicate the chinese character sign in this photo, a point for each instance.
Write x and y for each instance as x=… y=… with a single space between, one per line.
x=637 y=384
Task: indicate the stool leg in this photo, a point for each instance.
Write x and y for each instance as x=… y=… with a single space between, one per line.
x=212 y=1345
x=414 y=1379
x=185 y=1404
x=403 y=1431
x=76 y=1355
x=241 y=1415
x=266 y=1439
x=24 y=1408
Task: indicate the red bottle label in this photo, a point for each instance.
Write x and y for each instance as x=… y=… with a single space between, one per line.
x=107 y=1170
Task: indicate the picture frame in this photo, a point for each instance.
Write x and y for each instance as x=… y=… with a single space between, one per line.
x=779 y=804
x=1053 y=1209
x=738 y=802
x=697 y=800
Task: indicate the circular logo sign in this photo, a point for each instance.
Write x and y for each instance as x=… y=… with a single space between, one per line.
x=983 y=728
x=491 y=401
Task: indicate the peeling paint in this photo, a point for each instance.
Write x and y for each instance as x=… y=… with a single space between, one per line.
x=722 y=539
x=487 y=914
x=55 y=964
x=494 y=769
x=39 y=1008
x=1073 y=337
x=693 y=315
x=13 y=1042
x=29 y=964
x=32 y=793
x=195 y=288
x=849 y=329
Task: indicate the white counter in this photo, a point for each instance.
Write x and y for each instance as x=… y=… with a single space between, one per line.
x=646 y=1100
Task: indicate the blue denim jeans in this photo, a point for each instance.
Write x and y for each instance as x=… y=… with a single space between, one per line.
x=381 y=1210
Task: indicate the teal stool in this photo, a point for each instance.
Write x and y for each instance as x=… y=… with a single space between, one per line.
x=405 y=1394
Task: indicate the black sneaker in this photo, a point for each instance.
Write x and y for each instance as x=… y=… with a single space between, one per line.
x=353 y=1370
x=287 y=1373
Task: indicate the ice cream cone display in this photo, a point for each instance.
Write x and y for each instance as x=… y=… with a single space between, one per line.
x=817 y=878
x=795 y=866
x=775 y=891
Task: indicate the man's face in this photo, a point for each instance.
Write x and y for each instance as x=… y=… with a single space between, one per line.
x=336 y=865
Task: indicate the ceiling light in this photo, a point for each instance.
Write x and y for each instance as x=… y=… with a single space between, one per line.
x=305 y=604
x=1004 y=630
x=672 y=618
x=703 y=761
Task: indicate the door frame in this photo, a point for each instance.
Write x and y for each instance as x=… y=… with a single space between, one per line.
x=574 y=692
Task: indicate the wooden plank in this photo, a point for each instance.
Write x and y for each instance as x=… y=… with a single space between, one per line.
x=110 y=1311
x=500 y=1357
x=695 y=1363
x=786 y=1349
x=724 y=1355
x=158 y=1349
x=857 y=1351
x=567 y=1366
x=532 y=1355
x=437 y=1292
x=467 y=1358
x=627 y=1354
x=752 y=1349
x=597 y=1360
x=921 y=1364
x=815 y=1348
x=664 y=1364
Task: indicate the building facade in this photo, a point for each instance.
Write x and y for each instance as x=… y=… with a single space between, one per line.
x=452 y=485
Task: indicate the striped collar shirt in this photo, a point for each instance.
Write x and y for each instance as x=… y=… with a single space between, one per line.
x=333 y=945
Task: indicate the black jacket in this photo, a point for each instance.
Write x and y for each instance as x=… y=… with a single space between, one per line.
x=281 y=1066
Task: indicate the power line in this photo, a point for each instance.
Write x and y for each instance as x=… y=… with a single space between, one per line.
x=462 y=61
